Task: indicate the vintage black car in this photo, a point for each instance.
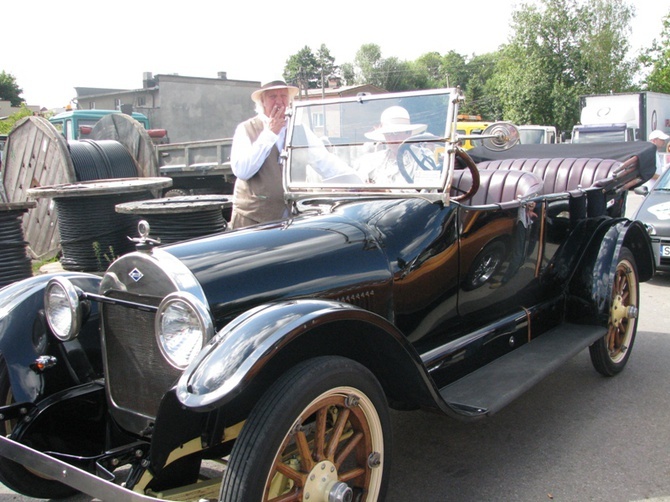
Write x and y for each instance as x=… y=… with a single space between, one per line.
x=261 y=363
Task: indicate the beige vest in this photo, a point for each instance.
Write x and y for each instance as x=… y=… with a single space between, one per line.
x=261 y=197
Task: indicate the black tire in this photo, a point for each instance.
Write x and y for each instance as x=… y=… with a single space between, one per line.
x=610 y=354
x=15 y=476
x=297 y=421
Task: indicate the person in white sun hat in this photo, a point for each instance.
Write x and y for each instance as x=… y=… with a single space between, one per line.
x=381 y=167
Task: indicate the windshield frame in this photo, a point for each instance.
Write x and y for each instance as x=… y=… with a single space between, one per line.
x=432 y=186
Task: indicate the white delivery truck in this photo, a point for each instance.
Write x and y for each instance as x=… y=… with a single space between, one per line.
x=537 y=134
x=629 y=116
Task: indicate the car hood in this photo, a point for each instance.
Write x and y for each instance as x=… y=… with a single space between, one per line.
x=333 y=255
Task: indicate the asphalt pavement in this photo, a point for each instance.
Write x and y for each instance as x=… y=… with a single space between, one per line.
x=576 y=436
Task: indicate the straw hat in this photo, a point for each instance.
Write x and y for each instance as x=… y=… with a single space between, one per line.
x=395 y=119
x=274 y=84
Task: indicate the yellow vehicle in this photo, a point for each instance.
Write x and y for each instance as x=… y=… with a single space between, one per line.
x=470 y=124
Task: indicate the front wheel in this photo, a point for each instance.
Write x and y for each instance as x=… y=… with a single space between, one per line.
x=610 y=354
x=320 y=433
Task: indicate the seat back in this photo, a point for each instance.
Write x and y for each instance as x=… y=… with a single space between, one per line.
x=502 y=187
x=559 y=174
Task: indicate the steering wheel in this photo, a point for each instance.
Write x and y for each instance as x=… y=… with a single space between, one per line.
x=417 y=154
x=472 y=167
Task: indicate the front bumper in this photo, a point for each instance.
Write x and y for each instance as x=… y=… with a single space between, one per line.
x=67 y=474
x=662 y=261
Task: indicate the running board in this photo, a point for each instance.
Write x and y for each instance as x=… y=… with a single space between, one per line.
x=492 y=387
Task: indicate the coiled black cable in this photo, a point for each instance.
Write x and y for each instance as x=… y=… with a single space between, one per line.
x=92 y=233
x=178 y=227
x=14 y=261
x=97 y=160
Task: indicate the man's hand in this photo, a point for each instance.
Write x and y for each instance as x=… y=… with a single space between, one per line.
x=277 y=118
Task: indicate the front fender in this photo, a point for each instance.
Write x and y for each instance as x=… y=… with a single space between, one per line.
x=264 y=342
x=25 y=335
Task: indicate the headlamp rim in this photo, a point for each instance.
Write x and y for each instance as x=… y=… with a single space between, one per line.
x=196 y=306
x=74 y=307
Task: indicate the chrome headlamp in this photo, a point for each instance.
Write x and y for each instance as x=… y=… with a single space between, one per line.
x=183 y=327
x=64 y=311
x=651 y=230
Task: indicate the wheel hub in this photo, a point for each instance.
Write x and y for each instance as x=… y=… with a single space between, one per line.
x=323 y=485
x=620 y=311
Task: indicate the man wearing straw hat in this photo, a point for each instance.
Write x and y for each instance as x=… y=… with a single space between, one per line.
x=258 y=196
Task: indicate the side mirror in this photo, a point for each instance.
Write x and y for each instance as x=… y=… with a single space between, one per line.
x=642 y=190
x=500 y=136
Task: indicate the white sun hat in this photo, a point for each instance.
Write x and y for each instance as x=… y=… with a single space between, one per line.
x=658 y=134
x=395 y=119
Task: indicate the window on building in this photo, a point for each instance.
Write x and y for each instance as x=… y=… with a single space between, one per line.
x=91 y=105
x=117 y=104
x=317 y=119
x=141 y=101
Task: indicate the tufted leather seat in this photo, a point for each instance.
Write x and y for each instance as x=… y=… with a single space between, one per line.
x=560 y=174
x=497 y=186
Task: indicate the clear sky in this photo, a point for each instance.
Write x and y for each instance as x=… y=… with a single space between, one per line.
x=50 y=47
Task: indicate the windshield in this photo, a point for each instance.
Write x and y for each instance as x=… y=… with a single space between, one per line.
x=531 y=136
x=372 y=142
x=598 y=136
x=664 y=182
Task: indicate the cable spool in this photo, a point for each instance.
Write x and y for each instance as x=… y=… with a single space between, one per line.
x=175 y=219
x=102 y=159
x=14 y=261
x=92 y=233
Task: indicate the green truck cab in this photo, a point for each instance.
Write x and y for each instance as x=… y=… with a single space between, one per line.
x=77 y=124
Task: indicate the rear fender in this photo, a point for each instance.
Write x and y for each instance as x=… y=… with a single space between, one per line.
x=591 y=286
x=25 y=336
x=258 y=347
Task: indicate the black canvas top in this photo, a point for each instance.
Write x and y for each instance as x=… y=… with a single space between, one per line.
x=645 y=151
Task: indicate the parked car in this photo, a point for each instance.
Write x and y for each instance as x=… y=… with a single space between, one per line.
x=654 y=212
x=277 y=350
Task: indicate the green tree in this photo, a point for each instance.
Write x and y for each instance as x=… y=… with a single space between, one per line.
x=391 y=74
x=480 y=96
x=309 y=71
x=326 y=65
x=657 y=60
x=559 y=50
x=447 y=70
x=9 y=90
x=603 y=46
x=348 y=73
x=367 y=62
x=8 y=124
x=302 y=69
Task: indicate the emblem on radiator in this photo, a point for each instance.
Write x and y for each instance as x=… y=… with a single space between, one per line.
x=135 y=275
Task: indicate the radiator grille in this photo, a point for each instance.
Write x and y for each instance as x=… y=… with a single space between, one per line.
x=137 y=373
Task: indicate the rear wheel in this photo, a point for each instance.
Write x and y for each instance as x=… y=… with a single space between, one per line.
x=15 y=476
x=610 y=354
x=320 y=433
